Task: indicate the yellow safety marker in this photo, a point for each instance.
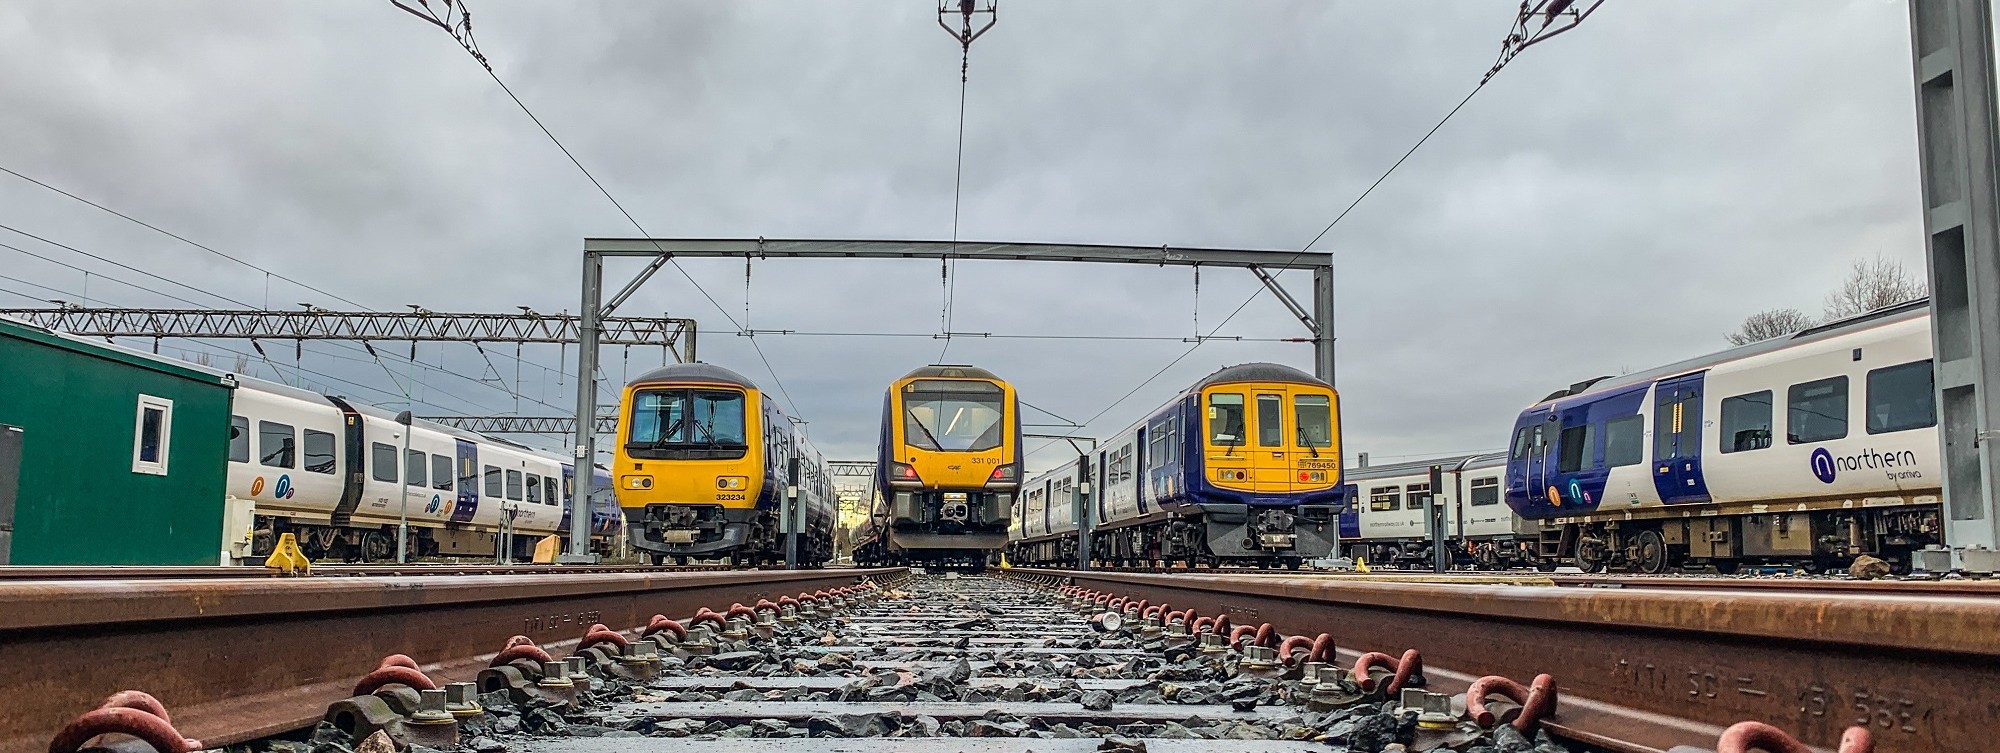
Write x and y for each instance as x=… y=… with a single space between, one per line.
x=546 y=549
x=286 y=557
x=1360 y=564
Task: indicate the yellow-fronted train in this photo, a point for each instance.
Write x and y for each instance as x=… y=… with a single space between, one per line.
x=706 y=463
x=948 y=467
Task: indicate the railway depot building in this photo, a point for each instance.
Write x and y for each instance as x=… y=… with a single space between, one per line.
x=108 y=456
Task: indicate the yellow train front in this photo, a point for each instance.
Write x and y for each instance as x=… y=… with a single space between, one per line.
x=703 y=465
x=948 y=468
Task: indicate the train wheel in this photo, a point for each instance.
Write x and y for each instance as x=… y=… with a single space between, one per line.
x=658 y=559
x=1649 y=553
x=376 y=545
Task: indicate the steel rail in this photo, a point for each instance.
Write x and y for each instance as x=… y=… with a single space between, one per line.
x=240 y=658
x=132 y=572
x=1645 y=669
x=1912 y=587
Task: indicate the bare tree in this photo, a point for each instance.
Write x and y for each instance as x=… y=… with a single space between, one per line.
x=1873 y=284
x=1765 y=325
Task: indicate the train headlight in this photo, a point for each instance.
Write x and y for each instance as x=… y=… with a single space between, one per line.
x=638 y=482
x=731 y=482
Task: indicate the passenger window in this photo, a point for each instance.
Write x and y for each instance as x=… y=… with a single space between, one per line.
x=382 y=459
x=1577 y=449
x=1225 y=419
x=318 y=447
x=514 y=485
x=276 y=444
x=150 y=436
x=1314 y=416
x=493 y=482
x=1484 y=491
x=415 y=464
x=549 y=490
x=440 y=472
x=1420 y=495
x=1624 y=441
x=1901 y=397
x=1816 y=411
x=1746 y=422
x=534 y=489
x=1270 y=420
x=1384 y=498
x=239 y=439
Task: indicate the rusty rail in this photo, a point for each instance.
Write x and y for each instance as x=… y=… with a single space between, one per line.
x=240 y=658
x=1645 y=669
x=135 y=572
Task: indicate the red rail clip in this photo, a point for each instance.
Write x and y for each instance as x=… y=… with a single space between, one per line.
x=1538 y=700
x=1742 y=737
x=127 y=712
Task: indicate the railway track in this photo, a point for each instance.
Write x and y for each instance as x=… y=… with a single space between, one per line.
x=1020 y=661
x=1646 y=668
x=138 y=572
x=241 y=658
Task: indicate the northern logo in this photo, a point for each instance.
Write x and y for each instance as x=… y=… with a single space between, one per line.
x=1822 y=466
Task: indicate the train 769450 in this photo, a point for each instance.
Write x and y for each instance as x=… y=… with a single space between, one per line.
x=705 y=461
x=1241 y=468
x=948 y=468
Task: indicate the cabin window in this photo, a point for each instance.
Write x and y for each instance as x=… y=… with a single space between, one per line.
x=1225 y=419
x=1484 y=491
x=549 y=490
x=1746 y=422
x=1384 y=498
x=1420 y=496
x=954 y=416
x=151 y=434
x=534 y=489
x=1625 y=441
x=382 y=462
x=1521 y=443
x=492 y=481
x=318 y=448
x=277 y=444
x=440 y=472
x=1901 y=397
x=415 y=468
x=514 y=485
x=239 y=439
x=1817 y=411
x=1577 y=448
x=1314 y=415
x=1270 y=420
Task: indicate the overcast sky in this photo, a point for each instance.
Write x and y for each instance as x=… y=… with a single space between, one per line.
x=1618 y=198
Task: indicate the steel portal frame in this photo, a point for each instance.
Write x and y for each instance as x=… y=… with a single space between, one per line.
x=1318 y=318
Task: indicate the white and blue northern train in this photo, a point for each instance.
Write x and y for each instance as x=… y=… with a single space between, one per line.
x=335 y=473
x=1807 y=449
x=1243 y=467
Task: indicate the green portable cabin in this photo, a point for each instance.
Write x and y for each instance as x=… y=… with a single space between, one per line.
x=120 y=455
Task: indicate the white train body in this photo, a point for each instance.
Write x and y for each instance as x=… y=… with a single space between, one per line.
x=1389 y=520
x=333 y=472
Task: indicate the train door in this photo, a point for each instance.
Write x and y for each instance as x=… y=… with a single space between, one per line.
x=468 y=482
x=1532 y=446
x=1677 y=440
x=1270 y=453
x=569 y=500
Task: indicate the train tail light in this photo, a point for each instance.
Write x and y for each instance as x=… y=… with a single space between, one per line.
x=1008 y=472
x=903 y=472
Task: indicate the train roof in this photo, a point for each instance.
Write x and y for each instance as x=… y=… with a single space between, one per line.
x=702 y=373
x=1906 y=311
x=1259 y=372
x=950 y=371
x=1415 y=467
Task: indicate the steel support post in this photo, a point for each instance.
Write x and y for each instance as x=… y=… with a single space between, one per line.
x=586 y=410
x=1083 y=521
x=1323 y=316
x=1952 y=46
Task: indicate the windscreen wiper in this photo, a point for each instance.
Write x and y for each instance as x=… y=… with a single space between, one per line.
x=1308 y=443
x=925 y=429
